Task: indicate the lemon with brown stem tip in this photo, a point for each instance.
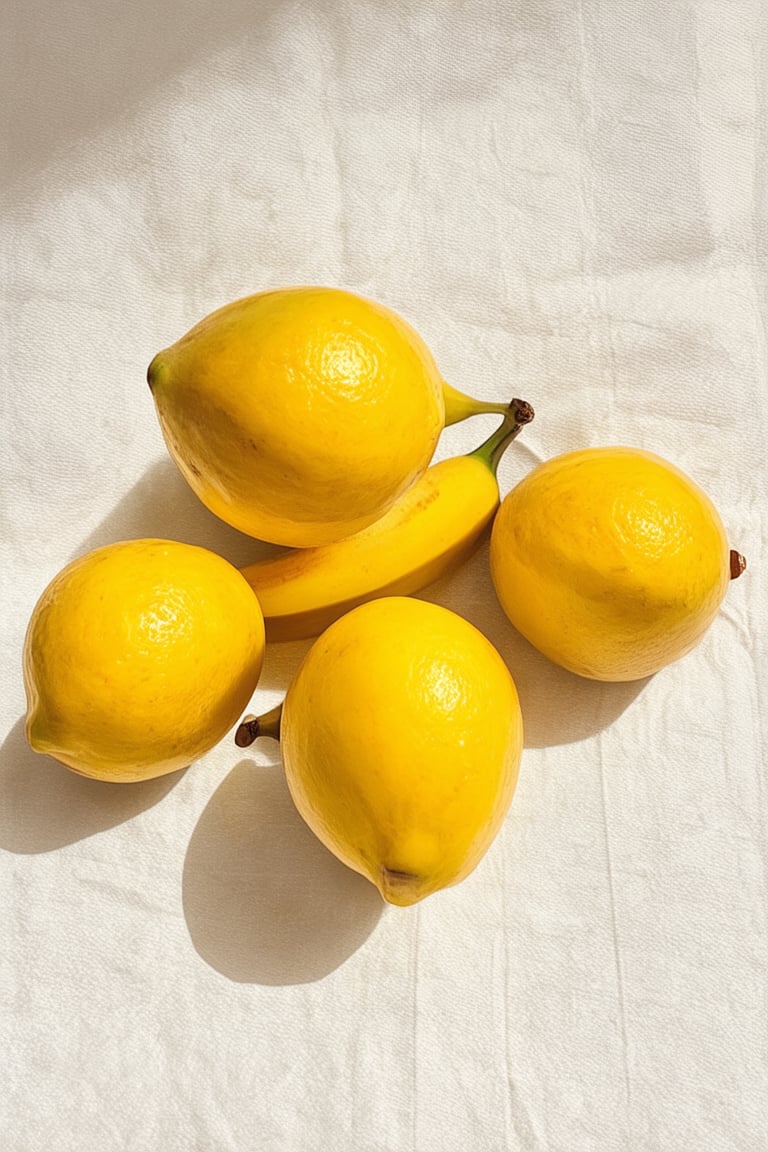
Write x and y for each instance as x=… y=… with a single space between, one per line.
x=401 y=737
x=611 y=561
x=139 y=657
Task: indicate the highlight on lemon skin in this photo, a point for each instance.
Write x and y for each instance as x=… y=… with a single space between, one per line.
x=300 y=415
x=401 y=737
x=611 y=561
x=138 y=659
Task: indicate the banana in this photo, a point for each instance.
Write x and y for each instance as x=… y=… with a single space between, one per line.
x=428 y=533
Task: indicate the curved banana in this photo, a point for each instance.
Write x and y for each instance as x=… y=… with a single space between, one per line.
x=428 y=532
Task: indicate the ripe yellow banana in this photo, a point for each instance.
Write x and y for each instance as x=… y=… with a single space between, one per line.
x=430 y=530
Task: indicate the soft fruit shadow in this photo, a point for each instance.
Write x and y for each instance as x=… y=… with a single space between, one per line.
x=264 y=901
x=44 y=806
x=161 y=504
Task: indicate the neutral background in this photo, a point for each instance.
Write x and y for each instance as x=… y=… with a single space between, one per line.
x=568 y=199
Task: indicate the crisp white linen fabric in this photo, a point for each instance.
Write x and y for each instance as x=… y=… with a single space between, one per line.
x=568 y=199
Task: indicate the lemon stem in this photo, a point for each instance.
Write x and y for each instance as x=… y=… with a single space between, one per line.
x=268 y=724
x=517 y=414
x=738 y=564
x=459 y=406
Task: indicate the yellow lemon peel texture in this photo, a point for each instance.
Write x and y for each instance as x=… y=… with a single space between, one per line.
x=401 y=738
x=139 y=657
x=611 y=561
x=300 y=415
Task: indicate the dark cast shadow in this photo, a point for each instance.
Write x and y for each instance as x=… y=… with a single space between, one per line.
x=264 y=901
x=45 y=806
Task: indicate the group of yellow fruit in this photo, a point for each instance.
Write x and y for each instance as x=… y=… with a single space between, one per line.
x=308 y=417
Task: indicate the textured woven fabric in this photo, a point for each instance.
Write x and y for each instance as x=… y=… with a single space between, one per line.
x=567 y=199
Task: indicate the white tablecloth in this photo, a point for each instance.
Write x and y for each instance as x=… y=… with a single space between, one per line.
x=567 y=198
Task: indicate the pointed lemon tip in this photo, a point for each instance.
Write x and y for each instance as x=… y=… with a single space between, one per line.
x=39 y=736
x=400 y=888
x=35 y=733
x=157 y=372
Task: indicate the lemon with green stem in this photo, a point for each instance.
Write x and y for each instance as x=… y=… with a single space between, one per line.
x=300 y=415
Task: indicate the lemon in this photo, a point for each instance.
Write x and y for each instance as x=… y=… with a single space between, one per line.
x=401 y=737
x=300 y=415
x=139 y=657
x=610 y=561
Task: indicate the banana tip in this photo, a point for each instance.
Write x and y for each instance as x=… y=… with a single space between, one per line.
x=522 y=411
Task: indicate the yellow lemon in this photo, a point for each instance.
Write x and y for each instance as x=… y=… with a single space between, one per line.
x=139 y=657
x=610 y=561
x=401 y=737
x=300 y=415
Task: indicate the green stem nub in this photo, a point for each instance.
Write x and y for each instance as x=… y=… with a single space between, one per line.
x=157 y=372
x=517 y=414
x=268 y=724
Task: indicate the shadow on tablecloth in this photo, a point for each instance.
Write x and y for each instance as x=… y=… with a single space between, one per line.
x=264 y=901
x=45 y=806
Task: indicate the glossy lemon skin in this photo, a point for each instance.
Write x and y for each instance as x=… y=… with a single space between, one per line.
x=300 y=415
x=401 y=738
x=139 y=657
x=610 y=561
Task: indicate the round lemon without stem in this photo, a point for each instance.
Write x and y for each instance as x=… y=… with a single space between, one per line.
x=139 y=657
x=401 y=737
x=610 y=561
x=300 y=415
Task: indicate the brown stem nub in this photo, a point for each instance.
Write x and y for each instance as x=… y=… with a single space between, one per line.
x=522 y=411
x=738 y=564
x=251 y=727
x=247 y=732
